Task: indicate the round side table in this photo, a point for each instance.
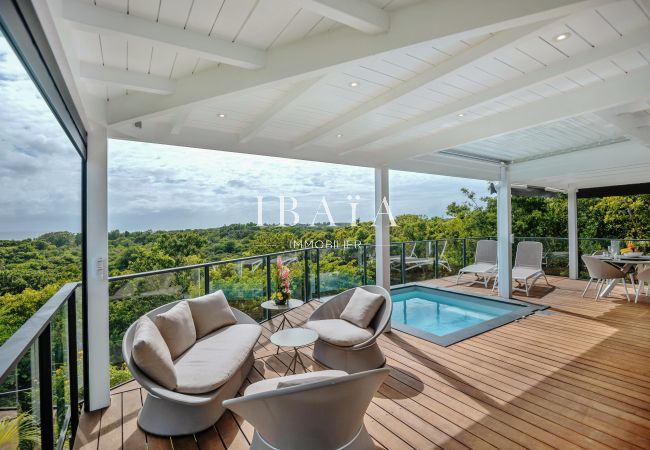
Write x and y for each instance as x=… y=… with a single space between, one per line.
x=296 y=338
x=271 y=306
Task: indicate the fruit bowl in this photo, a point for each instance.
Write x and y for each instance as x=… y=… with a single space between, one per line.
x=632 y=255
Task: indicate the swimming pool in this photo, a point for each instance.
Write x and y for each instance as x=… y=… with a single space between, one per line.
x=446 y=317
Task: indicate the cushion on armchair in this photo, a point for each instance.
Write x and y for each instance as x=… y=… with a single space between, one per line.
x=211 y=312
x=151 y=354
x=340 y=332
x=362 y=307
x=177 y=328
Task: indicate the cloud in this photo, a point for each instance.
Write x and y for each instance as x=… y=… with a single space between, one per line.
x=40 y=172
x=236 y=183
x=155 y=186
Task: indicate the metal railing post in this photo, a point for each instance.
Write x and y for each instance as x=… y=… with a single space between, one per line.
x=45 y=387
x=464 y=252
x=206 y=280
x=307 y=284
x=267 y=259
x=403 y=264
x=72 y=367
x=435 y=265
x=317 y=272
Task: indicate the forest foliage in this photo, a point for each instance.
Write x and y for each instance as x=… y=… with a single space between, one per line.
x=31 y=270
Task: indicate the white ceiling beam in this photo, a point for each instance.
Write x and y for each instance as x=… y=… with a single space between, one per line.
x=594 y=97
x=263 y=120
x=88 y=17
x=469 y=56
x=357 y=14
x=306 y=58
x=635 y=39
x=127 y=79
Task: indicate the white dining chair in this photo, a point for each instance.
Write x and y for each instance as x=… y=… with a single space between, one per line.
x=642 y=277
x=602 y=272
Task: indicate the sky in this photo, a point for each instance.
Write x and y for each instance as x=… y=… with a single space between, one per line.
x=155 y=186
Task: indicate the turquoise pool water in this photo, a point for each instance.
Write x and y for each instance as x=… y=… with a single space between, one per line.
x=441 y=312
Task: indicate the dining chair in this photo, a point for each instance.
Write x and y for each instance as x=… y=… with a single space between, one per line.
x=601 y=271
x=642 y=277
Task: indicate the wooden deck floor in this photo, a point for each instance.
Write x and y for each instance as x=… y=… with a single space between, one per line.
x=578 y=377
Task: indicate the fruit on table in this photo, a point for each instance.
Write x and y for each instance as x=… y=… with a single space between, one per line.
x=630 y=248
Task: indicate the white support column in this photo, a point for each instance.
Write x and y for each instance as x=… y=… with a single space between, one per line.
x=504 y=233
x=382 y=228
x=573 y=232
x=98 y=382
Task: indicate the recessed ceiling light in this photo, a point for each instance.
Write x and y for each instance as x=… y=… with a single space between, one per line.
x=339 y=136
x=222 y=115
x=460 y=115
x=353 y=83
x=562 y=37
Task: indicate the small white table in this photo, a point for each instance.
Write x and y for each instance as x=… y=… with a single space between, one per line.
x=292 y=303
x=296 y=338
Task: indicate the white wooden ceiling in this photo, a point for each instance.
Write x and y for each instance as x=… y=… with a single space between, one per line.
x=366 y=82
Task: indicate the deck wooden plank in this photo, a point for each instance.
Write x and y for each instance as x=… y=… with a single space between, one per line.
x=187 y=442
x=578 y=377
x=110 y=436
x=132 y=436
x=88 y=430
x=230 y=433
x=209 y=439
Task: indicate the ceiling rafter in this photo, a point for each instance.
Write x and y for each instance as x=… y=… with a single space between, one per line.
x=263 y=120
x=92 y=18
x=127 y=79
x=633 y=40
x=594 y=97
x=447 y=67
x=420 y=22
x=357 y=14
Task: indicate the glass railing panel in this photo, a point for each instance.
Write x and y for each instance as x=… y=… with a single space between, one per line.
x=395 y=264
x=19 y=401
x=419 y=261
x=243 y=283
x=371 y=264
x=130 y=299
x=450 y=257
x=340 y=269
x=60 y=373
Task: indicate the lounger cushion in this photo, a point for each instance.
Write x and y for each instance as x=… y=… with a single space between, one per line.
x=362 y=307
x=292 y=380
x=210 y=313
x=214 y=359
x=340 y=332
x=151 y=354
x=480 y=268
x=177 y=328
x=521 y=273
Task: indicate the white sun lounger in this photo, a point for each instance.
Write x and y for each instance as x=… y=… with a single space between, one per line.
x=485 y=263
x=528 y=266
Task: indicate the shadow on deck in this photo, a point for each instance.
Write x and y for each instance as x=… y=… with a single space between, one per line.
x=578 y=377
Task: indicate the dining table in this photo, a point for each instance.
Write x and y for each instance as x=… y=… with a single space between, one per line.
x=626 y=264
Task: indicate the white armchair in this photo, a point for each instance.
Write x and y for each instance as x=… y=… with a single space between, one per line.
x=317 y=410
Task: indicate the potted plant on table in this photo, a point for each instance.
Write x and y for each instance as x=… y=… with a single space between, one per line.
x=282 y=278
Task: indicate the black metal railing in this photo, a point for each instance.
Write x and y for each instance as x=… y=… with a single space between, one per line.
x=39 y=376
